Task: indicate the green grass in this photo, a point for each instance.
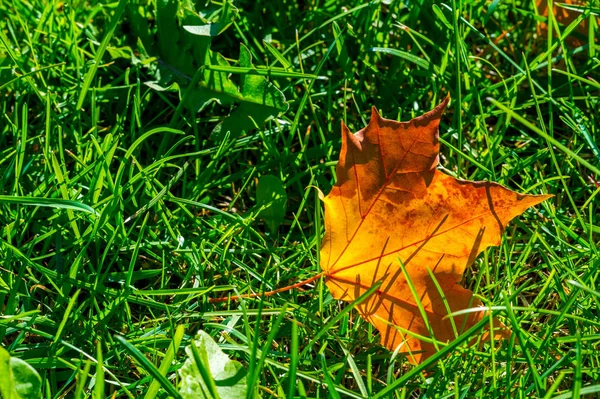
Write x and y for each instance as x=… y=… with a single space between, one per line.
x=138 y=211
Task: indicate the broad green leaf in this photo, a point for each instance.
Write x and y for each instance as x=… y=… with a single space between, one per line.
x=209 y=373
x=213 y=86
x=181 y=60
x=18 y=380
x=271 y=196
x=260 y=100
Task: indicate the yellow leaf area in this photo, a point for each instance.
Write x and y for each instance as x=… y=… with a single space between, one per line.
x=392 y=207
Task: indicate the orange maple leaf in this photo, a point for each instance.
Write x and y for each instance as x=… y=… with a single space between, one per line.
x=392 y=209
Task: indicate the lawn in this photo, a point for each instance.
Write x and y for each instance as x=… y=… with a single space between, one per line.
x=162 y=164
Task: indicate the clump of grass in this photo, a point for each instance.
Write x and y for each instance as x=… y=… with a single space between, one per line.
x=175 y=219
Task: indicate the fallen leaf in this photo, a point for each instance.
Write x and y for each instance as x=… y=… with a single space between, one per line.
x=390 y=208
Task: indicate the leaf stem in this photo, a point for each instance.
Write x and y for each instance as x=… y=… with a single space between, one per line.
x=266 y=294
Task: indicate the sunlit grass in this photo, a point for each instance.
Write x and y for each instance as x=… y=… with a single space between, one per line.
x=175 y=219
